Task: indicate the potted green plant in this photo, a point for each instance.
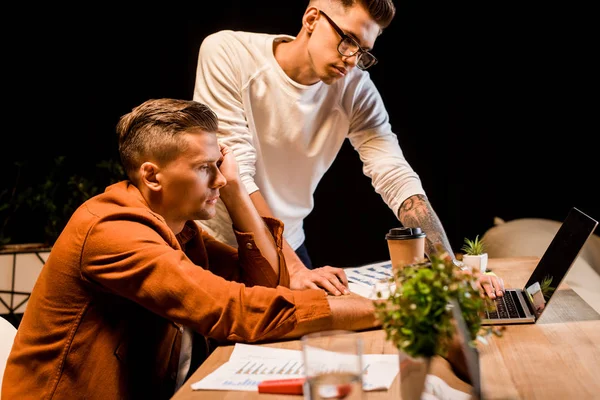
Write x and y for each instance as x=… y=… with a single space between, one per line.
x=416 y=316
x=475 y=255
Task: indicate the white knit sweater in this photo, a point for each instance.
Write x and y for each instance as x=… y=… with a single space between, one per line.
x=286 y=135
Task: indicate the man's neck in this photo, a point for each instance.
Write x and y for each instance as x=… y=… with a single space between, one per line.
x=293 y=58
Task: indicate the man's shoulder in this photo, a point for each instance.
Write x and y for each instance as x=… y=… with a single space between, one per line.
x=238 y=53
x=241 y=40
x=358 y=80
x=121 y=201
x=231 y=36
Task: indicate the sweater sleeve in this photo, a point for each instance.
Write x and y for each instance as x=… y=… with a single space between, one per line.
x=219 y=85
x=134 y=259
x=246 y=264
x=372 y=137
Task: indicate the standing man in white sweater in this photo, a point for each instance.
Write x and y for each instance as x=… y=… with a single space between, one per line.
x=286 y=104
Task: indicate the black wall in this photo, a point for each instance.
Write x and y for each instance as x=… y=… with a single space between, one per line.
x=493 y=104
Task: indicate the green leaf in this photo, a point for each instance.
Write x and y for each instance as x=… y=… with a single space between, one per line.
x=473 y=247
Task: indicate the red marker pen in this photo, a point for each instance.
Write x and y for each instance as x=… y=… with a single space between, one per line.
x=282 y=386
x=295 y=385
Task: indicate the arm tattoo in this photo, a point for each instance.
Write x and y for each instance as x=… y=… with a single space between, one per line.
x=416 y=211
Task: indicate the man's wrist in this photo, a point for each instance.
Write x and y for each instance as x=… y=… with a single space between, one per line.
x=461 y=265
x=295 y=267
x=233 y=190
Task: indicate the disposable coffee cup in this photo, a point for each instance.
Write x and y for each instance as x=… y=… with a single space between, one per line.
x=406 y=245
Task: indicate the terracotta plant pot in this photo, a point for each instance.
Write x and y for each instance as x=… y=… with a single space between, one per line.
x=413 y=372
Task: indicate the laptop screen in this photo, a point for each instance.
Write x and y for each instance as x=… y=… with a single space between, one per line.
x=558 y=258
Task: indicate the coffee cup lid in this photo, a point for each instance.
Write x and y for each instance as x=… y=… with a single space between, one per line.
x=404 y=233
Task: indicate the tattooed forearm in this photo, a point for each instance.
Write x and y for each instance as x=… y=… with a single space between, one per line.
x=416 y=211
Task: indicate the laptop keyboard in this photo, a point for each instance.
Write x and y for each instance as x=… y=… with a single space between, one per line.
x=507 y=306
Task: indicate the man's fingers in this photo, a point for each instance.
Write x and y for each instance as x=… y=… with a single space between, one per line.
x=500 y=290
x=333 y=282
x=488 y=286
x=335 y=277
x=315 y=279
x=224 y=148
x=328 y=286
x=342 y=277
x=340 y=286
x=339 y=273
x=308 y=284
x=497 y=285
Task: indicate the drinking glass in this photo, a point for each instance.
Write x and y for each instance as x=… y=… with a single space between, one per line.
x=333 y=365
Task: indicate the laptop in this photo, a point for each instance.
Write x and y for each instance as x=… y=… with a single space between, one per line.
x=526 y=305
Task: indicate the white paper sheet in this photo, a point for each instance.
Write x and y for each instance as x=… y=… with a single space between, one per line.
x=250 y=364
x=437 y=389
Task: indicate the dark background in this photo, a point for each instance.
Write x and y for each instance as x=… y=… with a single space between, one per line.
x=495 y=105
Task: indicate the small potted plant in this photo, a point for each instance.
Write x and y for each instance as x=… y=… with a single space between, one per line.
x=475 y=255
x=417 y=318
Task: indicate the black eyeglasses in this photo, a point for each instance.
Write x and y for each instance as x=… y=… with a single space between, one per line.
x=349 y=47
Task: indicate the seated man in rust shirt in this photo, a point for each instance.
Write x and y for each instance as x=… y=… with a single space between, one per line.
x=132 y=274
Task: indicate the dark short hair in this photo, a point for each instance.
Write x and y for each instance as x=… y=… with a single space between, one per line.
x=382 y=11
x=151 y=131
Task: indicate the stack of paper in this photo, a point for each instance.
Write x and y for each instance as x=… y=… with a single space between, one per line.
x=367 y=280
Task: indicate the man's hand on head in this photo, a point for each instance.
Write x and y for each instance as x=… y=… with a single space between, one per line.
x=332 y=280
x=228 y=164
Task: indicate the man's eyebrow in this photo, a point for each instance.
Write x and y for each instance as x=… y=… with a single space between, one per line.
x=206 y=160
x=353 y=36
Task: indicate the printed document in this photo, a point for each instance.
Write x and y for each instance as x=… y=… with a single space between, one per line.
x=251 y=364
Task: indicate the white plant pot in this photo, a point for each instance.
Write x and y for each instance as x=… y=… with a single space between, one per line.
x=479 y=261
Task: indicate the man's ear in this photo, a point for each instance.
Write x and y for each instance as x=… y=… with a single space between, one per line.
x=149 y=176
x=310 y=19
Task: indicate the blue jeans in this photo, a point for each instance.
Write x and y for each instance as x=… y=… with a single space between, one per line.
x=302 y=252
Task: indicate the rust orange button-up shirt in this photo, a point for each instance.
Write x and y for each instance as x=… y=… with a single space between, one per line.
x=105 y=316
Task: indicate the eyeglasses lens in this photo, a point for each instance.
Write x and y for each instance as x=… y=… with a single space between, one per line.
x=348 y=47
x=365 y=60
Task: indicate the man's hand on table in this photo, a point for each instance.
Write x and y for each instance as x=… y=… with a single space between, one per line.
x=332 y=280
x=489 y=284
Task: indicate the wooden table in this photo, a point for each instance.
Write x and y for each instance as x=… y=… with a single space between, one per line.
x=556 y=358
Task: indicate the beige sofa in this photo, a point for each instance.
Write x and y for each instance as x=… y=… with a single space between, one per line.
x=531 y=237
